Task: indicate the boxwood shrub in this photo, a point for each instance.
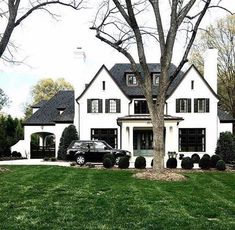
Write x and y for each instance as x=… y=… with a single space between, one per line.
x=187 y=163
x=140 y=162
x=195 y=158
x=111 y=157
x=214 y=159
x=205 y=163
x=171 y=163
x=124 y=162
x=107 y=163
x=220 y=165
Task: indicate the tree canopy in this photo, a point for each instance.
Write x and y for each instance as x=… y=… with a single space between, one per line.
x=45 y=89
x=220 y=35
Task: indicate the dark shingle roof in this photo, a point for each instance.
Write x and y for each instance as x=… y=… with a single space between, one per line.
x=118 y=73
x=39 y=104
x=225 y=116
x=49 y=112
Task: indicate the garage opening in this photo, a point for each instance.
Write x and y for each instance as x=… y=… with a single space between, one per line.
x=108 y=135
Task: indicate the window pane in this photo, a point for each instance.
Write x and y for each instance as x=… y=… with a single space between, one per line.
x=95 y=106
x=112 y=106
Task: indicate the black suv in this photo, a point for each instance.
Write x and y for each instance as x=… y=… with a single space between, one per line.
x=93 y=151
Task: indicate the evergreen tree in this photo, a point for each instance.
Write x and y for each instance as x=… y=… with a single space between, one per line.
x=69 y=134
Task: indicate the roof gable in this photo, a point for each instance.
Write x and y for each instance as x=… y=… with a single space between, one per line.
x=49 y=112
x=102 y=68
x=177 y=81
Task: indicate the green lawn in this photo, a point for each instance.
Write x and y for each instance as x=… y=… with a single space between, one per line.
x=49 y=197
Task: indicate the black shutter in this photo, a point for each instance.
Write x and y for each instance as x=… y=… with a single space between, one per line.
x=195 y=105
x=118 y=101
x=100 y=108
x=189 y=105
x=177 y=105
x=107 y=110
x=88 y=105
x=207 y=105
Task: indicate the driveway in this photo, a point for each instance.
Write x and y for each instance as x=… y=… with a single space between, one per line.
x=34 y=162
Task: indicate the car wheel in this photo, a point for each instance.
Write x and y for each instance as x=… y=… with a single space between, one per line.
x=80 y=160
x=117 y=159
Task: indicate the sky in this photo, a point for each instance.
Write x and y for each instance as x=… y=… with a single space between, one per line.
x=48 y=48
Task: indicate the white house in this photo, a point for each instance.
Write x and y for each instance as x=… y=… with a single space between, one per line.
x=112 y=108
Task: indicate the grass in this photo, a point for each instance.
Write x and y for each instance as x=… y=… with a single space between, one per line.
x=50 y=197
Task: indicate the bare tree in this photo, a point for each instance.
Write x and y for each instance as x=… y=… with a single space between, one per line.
x=118 y=23
x=221 y=36
x=13 y=13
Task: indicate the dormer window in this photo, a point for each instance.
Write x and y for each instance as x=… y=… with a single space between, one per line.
x=131 y=79
x=156 y=78
x=61 y=110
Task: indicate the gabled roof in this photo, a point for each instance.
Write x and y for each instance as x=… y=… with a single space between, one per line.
x=39 y=104
x=225 y=117
x=49 y=112
x=97 y=74
x=176 y=82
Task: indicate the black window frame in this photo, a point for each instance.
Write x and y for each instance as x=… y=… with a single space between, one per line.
x=206 y=106
x=179 y=102
x=108 y=106
x=89 y=105
x=192 y=140
x=143 y=107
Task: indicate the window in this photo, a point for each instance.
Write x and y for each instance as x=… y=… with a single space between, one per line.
x=156 y=79
x=201 y=105
x=192 y=84
x=141 y=107
x=94 y=105
x=183 y=105
x=108 y=135
x=112 y=105
x=131 y=79
x=103 y=85
x=192 y=140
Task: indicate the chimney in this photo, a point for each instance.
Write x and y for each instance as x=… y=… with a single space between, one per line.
x=210 y=67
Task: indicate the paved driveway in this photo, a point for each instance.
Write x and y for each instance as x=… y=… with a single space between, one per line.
x=34 y=162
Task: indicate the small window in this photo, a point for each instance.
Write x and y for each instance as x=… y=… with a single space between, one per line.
x=156 y=79
x=103 y=85
x=131 y=79
x=94 y=105
x=112 y=105
x=201 y=105
x=192 y=84
x=183 y=105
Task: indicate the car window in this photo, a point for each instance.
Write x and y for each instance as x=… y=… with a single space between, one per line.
x=99 y=145
x=76 y=145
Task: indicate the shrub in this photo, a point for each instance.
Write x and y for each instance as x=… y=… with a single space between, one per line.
x=195 y=158
x=226 y=147
x=18 y=154
x=107 y=163
x=220 y=165
x=124 y=162
x=69 y=134
x=140 y=162
x=171 y=163
x=53 y=159
x=187 y=163
x=14 y=154
x=111 y=157
x=206 y=156
x=205 y=163
x=214 y=160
